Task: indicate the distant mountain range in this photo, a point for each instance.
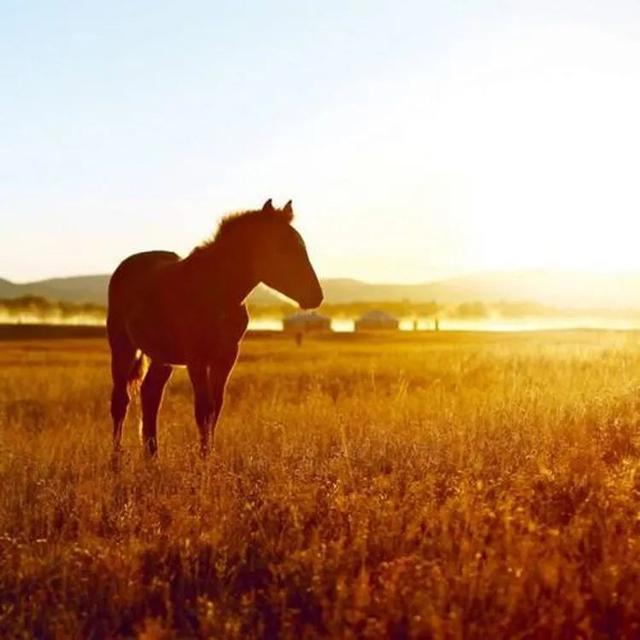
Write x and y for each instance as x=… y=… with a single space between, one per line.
x=93 y=289
x=560 y=289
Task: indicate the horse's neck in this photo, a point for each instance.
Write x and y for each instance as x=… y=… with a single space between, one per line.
x=219 y=274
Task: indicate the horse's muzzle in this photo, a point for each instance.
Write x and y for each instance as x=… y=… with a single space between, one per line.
x=312 y=302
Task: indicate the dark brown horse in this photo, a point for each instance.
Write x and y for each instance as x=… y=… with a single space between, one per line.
x=166 y=311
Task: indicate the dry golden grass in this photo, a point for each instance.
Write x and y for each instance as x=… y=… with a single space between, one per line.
x=450 y=486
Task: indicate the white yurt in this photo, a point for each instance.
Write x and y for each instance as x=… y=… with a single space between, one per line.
x=376 y=320
x=305 y=321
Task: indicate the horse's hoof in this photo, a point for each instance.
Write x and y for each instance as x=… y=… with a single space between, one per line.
x=150 y=449
x=116 y=459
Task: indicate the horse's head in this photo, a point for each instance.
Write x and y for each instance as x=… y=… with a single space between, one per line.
x=280 y=257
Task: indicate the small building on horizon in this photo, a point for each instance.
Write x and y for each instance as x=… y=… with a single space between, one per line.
x=376 y=320
x=306 y=321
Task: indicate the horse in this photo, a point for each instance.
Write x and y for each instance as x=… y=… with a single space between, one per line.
x=166 y=311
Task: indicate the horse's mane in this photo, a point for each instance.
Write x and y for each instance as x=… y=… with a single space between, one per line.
x=238 y=220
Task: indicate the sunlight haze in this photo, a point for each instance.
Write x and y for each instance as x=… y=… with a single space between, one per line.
x=418 y=141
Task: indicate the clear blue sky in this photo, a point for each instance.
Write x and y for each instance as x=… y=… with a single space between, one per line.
x=417 y=139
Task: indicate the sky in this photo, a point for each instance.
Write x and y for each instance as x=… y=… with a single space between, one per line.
x=418 y=140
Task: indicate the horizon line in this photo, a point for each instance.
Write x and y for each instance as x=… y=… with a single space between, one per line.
x=459 y=276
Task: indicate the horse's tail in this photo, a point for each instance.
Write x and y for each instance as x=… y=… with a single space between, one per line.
x=137 y=373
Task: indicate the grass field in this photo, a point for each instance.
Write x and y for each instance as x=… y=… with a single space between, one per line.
x=445 y=486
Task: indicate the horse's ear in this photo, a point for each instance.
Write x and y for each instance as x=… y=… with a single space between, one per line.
x=267 y=207
x=287 y=211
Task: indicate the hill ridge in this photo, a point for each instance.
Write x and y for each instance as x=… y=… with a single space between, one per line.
x=560 y=289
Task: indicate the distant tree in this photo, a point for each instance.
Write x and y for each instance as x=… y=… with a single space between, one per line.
x=45 y=310
x=470 y=310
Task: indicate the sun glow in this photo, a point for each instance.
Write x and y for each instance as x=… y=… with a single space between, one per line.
x=550 y=160
x=543 y=143
x=519 y=150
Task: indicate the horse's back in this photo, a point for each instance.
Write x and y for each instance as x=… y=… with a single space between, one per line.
x=132 y=280
x=154 y=307
x=135 y=271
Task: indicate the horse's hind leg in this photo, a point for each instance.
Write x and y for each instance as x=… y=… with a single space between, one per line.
x=123 y=361
x=151 y=392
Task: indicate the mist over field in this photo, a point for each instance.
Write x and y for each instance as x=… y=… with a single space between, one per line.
x=508 y=301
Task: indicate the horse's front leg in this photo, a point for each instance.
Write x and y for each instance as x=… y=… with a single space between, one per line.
x=204 y=406
x=219 y=372
x=209 y=381
x=151 y=393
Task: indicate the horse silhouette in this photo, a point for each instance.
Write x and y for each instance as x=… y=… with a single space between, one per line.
x=166 y=311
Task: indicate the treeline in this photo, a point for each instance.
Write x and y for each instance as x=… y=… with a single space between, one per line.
x=462 y=311
x=351 y=309
x=39 y=309
x=520 y=310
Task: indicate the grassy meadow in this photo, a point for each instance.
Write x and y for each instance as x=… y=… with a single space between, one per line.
x=409 y=486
